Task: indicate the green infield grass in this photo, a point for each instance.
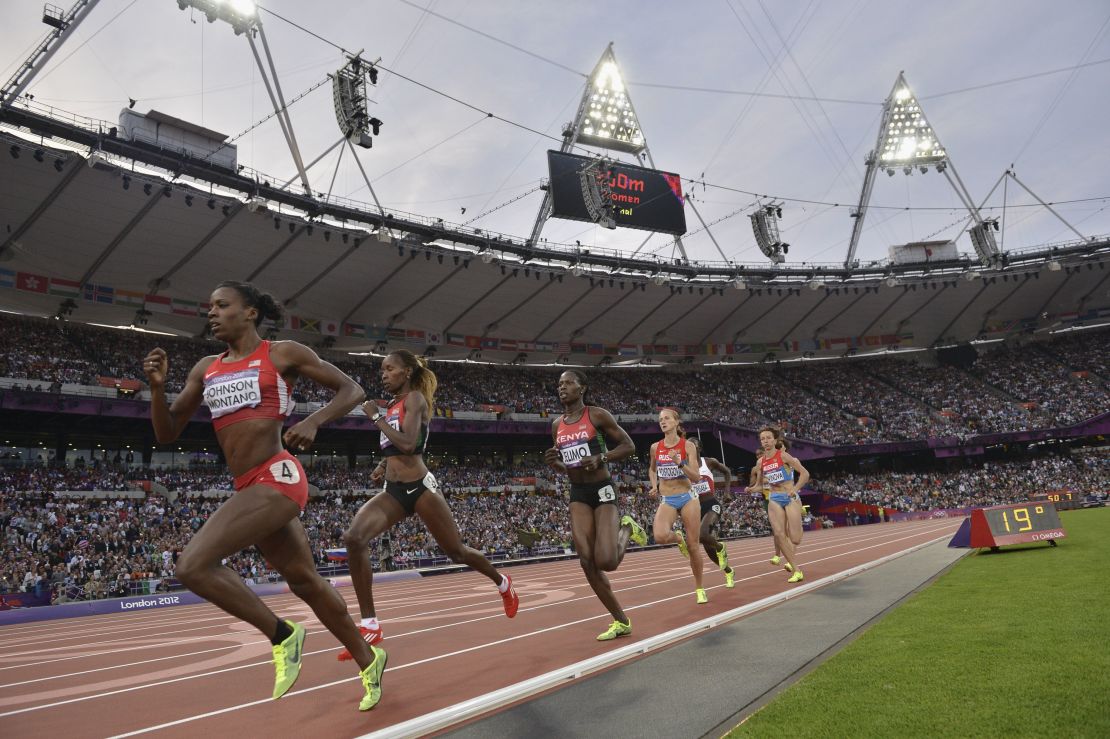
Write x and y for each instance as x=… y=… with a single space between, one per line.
x=1005 y=644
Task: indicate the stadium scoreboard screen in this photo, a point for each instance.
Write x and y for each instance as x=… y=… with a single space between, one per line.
x=647 y=199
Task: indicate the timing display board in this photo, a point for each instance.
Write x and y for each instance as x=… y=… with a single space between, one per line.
x=647 y=199
x=1015 y=524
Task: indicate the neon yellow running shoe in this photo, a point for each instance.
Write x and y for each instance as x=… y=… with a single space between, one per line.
x=287 y=660
x=722 y=557
x=776 y=560
x=728 y=579
x=701 y=596
x=788 y=567
x=372 y=679
x=639 y=536
x=796 y=577
x=616 y=629
x=682 y=543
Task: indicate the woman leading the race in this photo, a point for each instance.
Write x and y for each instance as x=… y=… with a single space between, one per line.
x=248 y=391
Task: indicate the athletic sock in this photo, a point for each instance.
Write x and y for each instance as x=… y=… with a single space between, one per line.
x=282 y=633
x=504 y=586
x=369 y=623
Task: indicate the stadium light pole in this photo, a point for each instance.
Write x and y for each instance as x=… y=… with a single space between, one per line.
x=243 y=17
x=606 y=119
x=63 y=27
x=907 y=141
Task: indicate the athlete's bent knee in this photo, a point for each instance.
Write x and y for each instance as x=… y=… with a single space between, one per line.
x=456 y=554
x=190 y=570
x=354 y=541
x=606 y=562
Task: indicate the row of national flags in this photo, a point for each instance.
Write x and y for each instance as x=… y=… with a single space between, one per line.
x=394 y=335
x=106 y=294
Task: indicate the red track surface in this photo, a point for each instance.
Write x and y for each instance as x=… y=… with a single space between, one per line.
x=193 y=670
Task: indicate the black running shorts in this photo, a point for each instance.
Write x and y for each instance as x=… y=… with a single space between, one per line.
x=709 y=504
x=593 y=494
x=407 y=493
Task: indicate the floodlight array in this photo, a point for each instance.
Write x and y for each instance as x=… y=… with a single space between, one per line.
x=241 y=14
x=908 y=140
x=609 y=119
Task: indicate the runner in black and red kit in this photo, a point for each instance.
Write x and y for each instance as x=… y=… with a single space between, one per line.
x=247 y=390
x=581 y=450
x=409 y=488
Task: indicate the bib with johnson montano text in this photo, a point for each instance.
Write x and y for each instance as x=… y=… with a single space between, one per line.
x=232 y=391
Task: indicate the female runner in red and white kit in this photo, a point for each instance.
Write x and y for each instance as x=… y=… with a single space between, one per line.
x=673 y=470
x=786 y=476
x=247 y=389
x=409 y=488
x=582 y=435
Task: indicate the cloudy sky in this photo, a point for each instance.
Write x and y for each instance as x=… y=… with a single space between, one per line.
x=981 y=71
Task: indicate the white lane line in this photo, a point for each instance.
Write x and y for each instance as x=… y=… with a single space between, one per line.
x=654 y=570
x=647 y=568
x=477 y=706
x=474 y=707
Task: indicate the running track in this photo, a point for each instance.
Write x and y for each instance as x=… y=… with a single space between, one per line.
x=192 y=670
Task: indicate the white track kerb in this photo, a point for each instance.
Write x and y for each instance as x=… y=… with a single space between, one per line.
x=475 y=707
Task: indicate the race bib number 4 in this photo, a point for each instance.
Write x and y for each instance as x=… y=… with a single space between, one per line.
x=573 y=455
x=285 y=472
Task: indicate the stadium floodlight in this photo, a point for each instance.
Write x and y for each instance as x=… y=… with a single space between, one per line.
x=907 y=139
x=348 y=87
x=765 y=226
x=610 y=120
x=815 y=284
x=1053 y=266
x=241 y=14
x=739 y=283
x=487 y=255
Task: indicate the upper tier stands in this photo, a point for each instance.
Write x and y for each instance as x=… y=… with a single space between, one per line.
x=1041 y=385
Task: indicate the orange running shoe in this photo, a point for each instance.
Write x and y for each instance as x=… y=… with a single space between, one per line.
x=372 y=637
x=510 y=599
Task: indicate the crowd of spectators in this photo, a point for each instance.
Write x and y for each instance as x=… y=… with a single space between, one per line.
x=91 y=547
x=1039 y=385
x=991 y=483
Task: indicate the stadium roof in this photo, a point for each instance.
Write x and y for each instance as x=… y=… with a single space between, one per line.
x=117 y=241
x=74 y=224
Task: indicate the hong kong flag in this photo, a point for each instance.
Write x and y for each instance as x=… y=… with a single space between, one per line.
x=31 y=283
